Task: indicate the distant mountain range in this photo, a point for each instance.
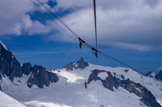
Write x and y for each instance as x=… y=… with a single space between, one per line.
x=106 y=86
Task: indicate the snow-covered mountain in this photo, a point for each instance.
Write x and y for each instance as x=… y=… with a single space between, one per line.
x=11 y=68
x=106 y=86
x=7 y=101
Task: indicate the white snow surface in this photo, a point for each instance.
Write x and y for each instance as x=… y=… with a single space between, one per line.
x=69 y=91
x=7 y=101
x=3 y=45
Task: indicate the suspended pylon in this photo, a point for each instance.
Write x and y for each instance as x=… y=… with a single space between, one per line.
x=81 y=42
x=95 y=52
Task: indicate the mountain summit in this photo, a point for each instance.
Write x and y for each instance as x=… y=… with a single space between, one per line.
x=80 y=64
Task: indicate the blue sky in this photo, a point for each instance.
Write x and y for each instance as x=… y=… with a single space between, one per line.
x=129 y=31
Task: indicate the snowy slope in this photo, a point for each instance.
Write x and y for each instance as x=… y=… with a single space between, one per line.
x=69 y=91
x=7 y=101
x=150 y=83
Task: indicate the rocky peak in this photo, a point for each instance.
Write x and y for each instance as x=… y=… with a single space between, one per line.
x=9 y=66
x=80 y=64
x=41 y=77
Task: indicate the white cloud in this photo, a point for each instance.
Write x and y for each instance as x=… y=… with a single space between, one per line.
x=38 y=28
x=34 y=27
x=133 y=46
x=61 y=33
x=17 y=29
x=105 y=4
x=12 y=13
x=135 y=24
x=15 y=21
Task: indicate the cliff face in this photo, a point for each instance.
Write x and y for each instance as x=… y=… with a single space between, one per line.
x=10 y=67
x=41 y=77
x=26 y=68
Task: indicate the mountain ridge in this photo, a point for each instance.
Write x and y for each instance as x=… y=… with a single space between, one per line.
x=10 y=67
x=37 y=80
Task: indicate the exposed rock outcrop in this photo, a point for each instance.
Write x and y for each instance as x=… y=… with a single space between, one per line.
x=112 y=82
x=52 y=77
x=154 y=75
x=81 y=64
x=9 y=66
x=26 y=68
x=151 y=75
x=41 y=77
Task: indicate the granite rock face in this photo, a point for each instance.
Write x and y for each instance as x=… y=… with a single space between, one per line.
x=81 y=64
x=52 y=77
x=26 y=68
x=9 y=66
x=40 y=77
x=112 y=82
